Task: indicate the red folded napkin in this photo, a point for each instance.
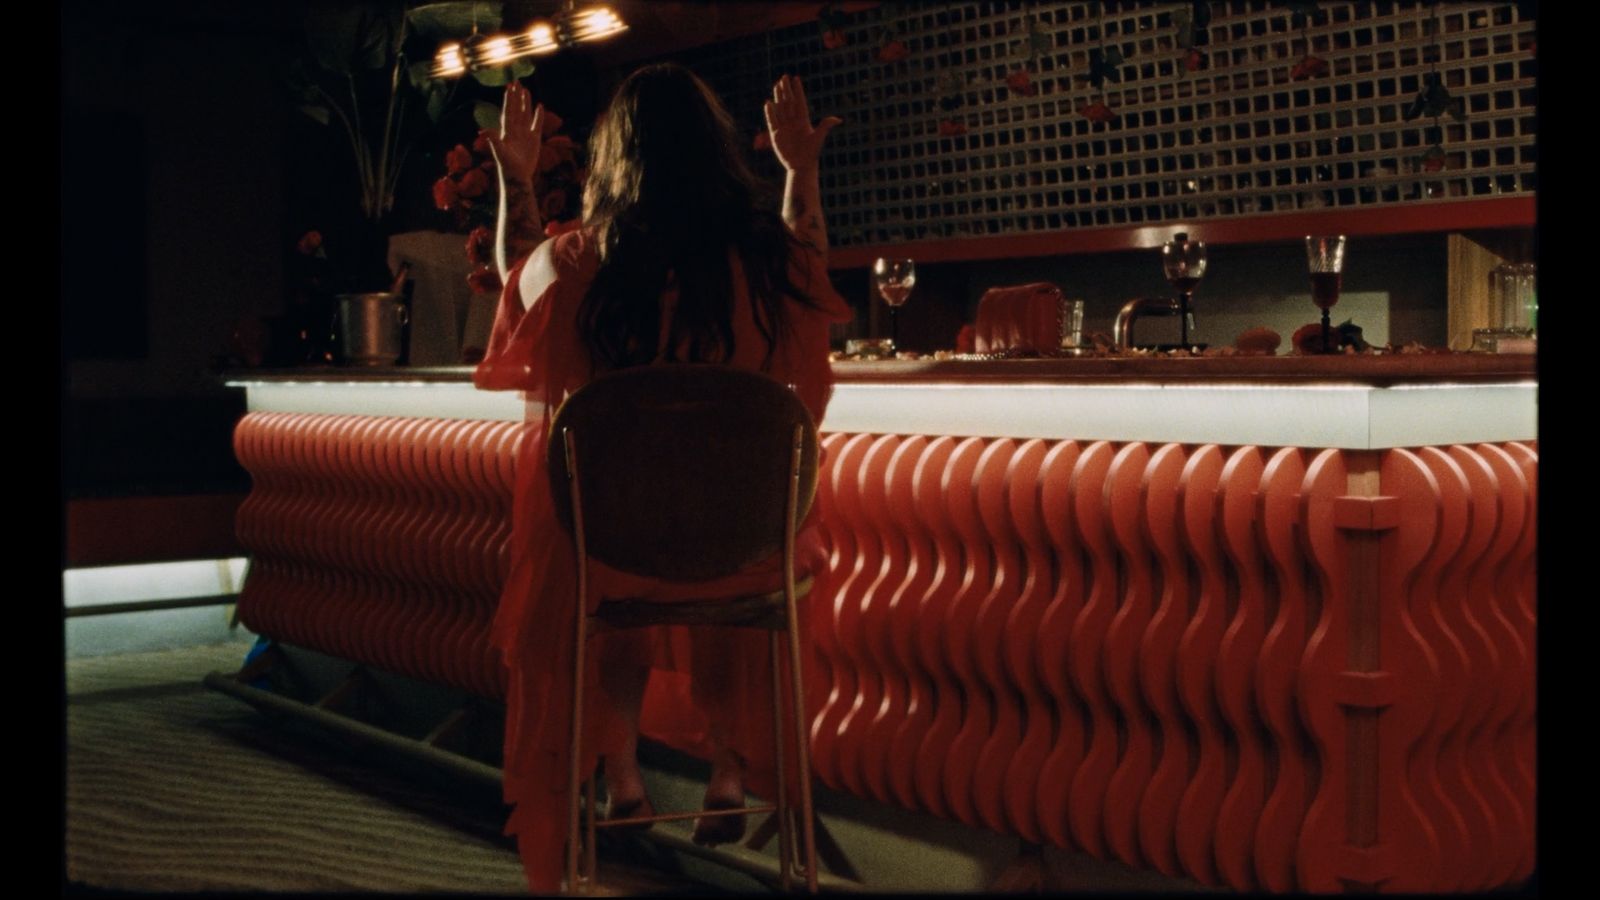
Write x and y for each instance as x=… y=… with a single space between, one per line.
x=1025 y=318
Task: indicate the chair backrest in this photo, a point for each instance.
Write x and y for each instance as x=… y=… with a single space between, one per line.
x=683 y=470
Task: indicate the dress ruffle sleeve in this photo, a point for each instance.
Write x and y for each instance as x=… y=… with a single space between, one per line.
x=535 y=350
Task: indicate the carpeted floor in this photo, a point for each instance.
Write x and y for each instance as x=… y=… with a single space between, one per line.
x=172 y=787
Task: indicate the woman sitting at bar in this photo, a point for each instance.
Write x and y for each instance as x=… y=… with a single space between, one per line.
x=677 y=261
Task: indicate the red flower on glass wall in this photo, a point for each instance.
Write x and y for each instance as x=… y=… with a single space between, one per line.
x=1019 y=81
x=1310 y=67
x=1097 y=112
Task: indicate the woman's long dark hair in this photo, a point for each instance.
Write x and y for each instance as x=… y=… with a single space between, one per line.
x=670 y=194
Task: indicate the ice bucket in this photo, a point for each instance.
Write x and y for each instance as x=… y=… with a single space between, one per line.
x=370 y=325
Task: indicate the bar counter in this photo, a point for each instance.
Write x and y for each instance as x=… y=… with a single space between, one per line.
x=1262 y=623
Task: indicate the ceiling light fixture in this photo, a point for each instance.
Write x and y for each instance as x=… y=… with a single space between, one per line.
x=570 y=27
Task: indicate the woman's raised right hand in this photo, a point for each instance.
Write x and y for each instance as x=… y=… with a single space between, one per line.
x=795 y=140
x=516 y=147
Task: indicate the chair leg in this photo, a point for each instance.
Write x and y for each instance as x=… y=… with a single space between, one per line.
x=802 y=730
x=581 y=636
x=591 y=875
x=808 y=837
x=785 y=828
x=575 y=752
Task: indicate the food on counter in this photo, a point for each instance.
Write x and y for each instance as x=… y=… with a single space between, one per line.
x=1307 y=340
x=1350 y=335
x=1260 y=341
x=967 y=339
x=1346 y=337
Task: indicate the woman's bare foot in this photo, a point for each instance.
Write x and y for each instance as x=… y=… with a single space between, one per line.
x=724 y=791
x=625 y=787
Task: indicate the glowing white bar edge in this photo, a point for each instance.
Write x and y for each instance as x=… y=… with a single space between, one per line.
x=1352 y=417
x=101 y=585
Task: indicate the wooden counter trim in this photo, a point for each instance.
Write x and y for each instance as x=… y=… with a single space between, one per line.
x=1377 y=371
x=1399 y=218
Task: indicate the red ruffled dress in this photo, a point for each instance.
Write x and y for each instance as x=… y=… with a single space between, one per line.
x=701 y=679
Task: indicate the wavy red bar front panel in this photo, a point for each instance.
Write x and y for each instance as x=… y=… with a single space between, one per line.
x=1275 y=669
x=379 y=540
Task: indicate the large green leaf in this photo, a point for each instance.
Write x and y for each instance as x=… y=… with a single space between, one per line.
x=495 y=77
x=376 y=37
x=418 y=74
x=438 y=96
x=337 y=34
x=487 y=115
x=454 y=20
x=319 y=113
x=348 y=37
x=521 y=68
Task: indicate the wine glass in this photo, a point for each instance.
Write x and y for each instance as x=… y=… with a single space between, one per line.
x=894 y=279
x=1184 y=263
x=1325 y=263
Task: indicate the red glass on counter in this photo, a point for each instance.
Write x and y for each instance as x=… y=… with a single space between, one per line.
x=1325 y=263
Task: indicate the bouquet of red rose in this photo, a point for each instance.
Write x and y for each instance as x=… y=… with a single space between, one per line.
x=470 y=190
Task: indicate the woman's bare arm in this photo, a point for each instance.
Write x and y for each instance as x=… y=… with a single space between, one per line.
x=798 y=145
x=519 y=227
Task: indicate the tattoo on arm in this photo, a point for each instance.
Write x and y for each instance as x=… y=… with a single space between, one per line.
x=802 y=209
x=524 y=225
x=814 y=230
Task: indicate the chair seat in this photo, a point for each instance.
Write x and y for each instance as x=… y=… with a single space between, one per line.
x=766 y=611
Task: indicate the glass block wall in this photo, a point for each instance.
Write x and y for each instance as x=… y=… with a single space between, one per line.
x=1214 y=110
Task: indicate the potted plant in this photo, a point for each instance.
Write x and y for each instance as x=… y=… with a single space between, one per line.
x=363 y=74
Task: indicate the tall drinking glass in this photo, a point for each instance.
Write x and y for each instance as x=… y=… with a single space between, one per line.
x=894 y=279
x=1184 y=263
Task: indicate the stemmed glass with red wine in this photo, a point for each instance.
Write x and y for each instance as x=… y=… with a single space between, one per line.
x=1184 y=263
x=1325 y=263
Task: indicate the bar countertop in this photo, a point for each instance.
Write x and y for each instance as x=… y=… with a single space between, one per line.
x=1357 y=403
x=1377 y=370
